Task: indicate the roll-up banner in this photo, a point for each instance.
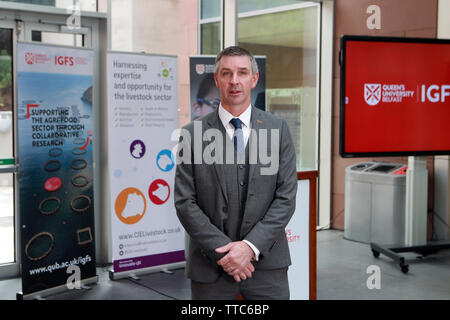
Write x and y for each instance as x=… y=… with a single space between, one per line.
x=205 y=96
x=297 y=234
x=142 y=116
x=55 y=134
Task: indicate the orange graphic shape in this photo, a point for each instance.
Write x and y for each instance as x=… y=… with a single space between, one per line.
x=130 y=205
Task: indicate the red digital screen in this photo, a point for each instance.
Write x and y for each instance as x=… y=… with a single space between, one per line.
x=395 y=96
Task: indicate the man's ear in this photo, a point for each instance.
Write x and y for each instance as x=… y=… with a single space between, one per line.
x=255 y=78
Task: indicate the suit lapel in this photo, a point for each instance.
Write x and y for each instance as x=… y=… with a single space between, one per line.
x=257 y=124
x=215 y=123
x=254 y=166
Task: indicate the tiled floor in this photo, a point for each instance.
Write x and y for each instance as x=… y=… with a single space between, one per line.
x=342 y=272
x=342 y=267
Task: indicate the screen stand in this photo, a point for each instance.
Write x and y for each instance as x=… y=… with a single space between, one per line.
x=415 y=217
x=416 y=202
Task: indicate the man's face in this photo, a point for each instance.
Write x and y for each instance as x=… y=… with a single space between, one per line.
x=235 y=81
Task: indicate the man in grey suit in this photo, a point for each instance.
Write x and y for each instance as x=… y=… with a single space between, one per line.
x=235 y=211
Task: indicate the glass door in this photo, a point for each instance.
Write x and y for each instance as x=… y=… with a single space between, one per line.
x=8 y=221
x=288 y=33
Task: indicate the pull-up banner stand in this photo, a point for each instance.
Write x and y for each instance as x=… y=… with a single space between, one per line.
x=297 y=233
x=142 y=116
x=56 y=201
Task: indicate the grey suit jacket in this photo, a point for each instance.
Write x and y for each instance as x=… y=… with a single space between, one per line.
x=201 y=201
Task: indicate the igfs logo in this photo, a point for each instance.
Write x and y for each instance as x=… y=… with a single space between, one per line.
x=64 y=61
x=372 y=93
x=435 y=93
x=29 y=58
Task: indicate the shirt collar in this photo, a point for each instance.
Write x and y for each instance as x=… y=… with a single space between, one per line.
x=225 y=116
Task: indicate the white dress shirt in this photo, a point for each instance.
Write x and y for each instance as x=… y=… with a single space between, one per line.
x=245 y=117
x=225 y=117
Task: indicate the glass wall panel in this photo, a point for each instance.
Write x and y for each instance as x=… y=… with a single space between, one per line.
x=164 y=27
x=6 y=94
x=39 y=2
x=210 y=38
x=252 y=5
x=84 y=5
x=291 y=72
x=6 y=148
x=209 y=9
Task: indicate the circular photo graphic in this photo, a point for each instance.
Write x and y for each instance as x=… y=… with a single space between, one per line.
x=159 y=192
x=53 y=184
x=49 y=205
x=39 y=246
x=130 y=205
x=80 y=203
x=137 y=149
x=52 y=165
x=80 y=181
x=55 y=152
x=164 y=160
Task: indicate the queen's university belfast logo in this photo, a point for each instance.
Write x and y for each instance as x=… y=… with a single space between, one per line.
x=372 y=93
x=375 y=93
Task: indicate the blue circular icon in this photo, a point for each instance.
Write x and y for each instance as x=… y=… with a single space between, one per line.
x=164 y=160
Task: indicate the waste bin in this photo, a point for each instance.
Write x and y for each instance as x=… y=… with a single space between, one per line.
x=375 y=202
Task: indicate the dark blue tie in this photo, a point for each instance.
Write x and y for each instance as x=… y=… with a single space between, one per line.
x=238 y=137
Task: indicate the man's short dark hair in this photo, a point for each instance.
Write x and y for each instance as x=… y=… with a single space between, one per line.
x=237 y=51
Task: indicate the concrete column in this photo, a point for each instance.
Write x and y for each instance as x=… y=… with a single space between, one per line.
x=229 y=23
x=326 y=113
x=441 y=215
x=416 y=202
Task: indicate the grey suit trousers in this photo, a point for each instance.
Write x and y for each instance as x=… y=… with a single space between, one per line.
x=263 y=285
